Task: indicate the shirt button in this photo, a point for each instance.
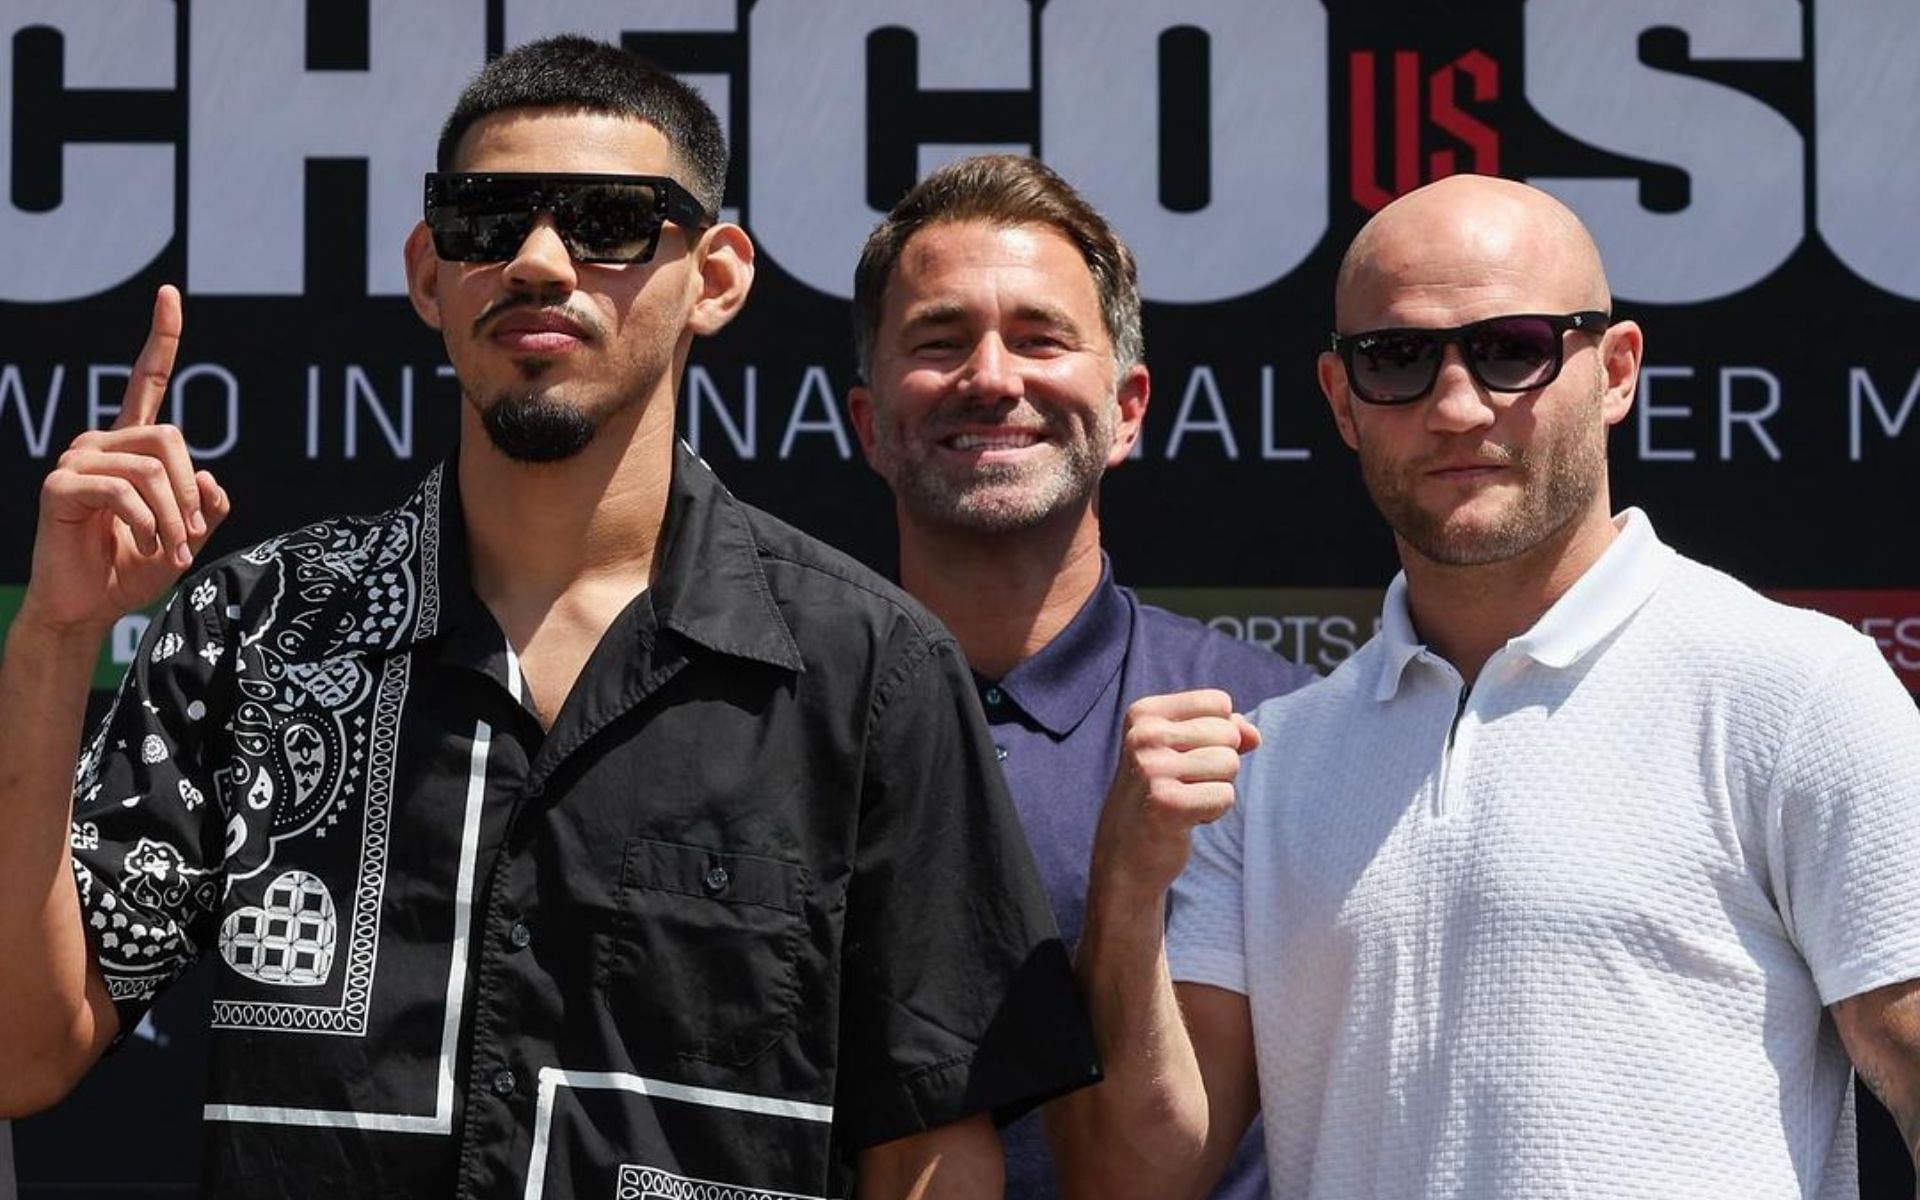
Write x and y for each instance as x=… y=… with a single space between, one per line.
x=717 y=879
x=519 y=937
x=1000 y=752
x=503 y=1082
x=993 y=695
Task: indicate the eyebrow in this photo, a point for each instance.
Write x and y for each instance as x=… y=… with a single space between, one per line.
x=1028 y=313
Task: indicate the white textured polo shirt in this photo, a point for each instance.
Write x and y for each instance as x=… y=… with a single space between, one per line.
x=1571 y=932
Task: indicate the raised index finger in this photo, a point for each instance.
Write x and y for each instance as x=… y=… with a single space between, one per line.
x=154 y=368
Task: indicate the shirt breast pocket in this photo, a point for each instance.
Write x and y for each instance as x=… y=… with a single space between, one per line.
x=701 y=959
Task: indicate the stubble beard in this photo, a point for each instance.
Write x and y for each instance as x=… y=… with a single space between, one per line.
x=996 y=498
x=1558 y=481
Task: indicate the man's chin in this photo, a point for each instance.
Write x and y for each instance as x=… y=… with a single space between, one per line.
x=532 y=429
x=1468 y=540
x=989 y=511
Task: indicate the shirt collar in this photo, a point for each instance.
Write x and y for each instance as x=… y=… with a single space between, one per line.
x=380 y=582
x=1058 y=685
x=708 y=586
x=1599 y=602
x=1399 y=645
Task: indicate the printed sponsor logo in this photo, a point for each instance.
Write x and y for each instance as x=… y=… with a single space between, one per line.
x=1320 y=627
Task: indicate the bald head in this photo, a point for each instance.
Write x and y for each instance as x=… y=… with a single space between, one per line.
x=1463 y=244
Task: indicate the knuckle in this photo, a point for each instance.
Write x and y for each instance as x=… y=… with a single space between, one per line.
x=1146 y=707
x=1157 y=762
x=1165 y=792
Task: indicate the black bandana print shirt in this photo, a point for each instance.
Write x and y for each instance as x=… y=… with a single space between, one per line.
x=755 y=901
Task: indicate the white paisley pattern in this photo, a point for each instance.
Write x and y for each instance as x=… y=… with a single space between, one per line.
x=309 y=730
x=651 y=1183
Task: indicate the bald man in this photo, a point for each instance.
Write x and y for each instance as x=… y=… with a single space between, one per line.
x=1591 y=874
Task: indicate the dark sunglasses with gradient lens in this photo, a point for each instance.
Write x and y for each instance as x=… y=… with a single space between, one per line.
x=484 y=217
x=1506 y=354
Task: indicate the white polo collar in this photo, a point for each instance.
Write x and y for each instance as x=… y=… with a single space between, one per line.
x=1599 y=602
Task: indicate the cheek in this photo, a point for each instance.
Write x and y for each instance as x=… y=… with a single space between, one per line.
x=1574 y=421
x=914 y=397
x=460 y=298
x=1083 y=392
x=1378 y=437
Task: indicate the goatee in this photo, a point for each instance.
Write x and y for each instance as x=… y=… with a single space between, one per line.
x=531 y=428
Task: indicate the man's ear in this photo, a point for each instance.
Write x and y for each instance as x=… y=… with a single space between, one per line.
x=423 y=275
x=860 y=411
x=1620 y=349
x=1333 y=385
x=1136 y=387
x=725 y=265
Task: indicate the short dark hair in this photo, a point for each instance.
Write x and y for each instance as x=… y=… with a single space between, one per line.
x=1001 y=189
x=576 y=72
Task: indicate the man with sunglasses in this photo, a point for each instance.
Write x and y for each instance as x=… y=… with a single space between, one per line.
x=997 y=326
x=1591 y=874
x=572 y=828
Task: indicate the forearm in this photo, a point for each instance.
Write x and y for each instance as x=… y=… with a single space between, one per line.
x=47 y=1032
x=1143 y=1130
x=961 y=1161
x=1150 y=1129
x=1892 y=1073
x=1881 y=1032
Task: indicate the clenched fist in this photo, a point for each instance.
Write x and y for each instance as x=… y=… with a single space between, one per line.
x=1178 y=761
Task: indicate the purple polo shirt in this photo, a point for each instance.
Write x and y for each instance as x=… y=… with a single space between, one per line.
x=1056 y=721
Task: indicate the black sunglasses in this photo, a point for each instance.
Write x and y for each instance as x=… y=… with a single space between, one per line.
x=485 y=217
x=1506 y=354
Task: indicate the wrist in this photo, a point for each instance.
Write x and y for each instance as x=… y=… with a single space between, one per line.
x=1119 y=895
x=34 y=629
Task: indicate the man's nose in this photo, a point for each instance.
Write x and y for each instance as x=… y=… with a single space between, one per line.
x=1459 y=402
x=990 y=371
x=542 y=262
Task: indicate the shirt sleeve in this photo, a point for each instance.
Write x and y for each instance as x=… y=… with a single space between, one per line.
x=958 y=994
x=1844 y=811
x=147 y=835
x=1205 y=934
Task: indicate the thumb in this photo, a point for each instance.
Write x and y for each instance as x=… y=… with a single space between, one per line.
x=1249 y=733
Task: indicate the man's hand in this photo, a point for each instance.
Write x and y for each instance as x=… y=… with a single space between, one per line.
x=1174 y=1104
x=124 y=512
x=120 y=518
x=1179 y=758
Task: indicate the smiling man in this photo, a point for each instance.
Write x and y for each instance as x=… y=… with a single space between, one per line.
x=1591 y=874
x=572 y=828
x=997 y=319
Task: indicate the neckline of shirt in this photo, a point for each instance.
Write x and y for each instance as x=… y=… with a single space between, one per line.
x=1600 y=602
